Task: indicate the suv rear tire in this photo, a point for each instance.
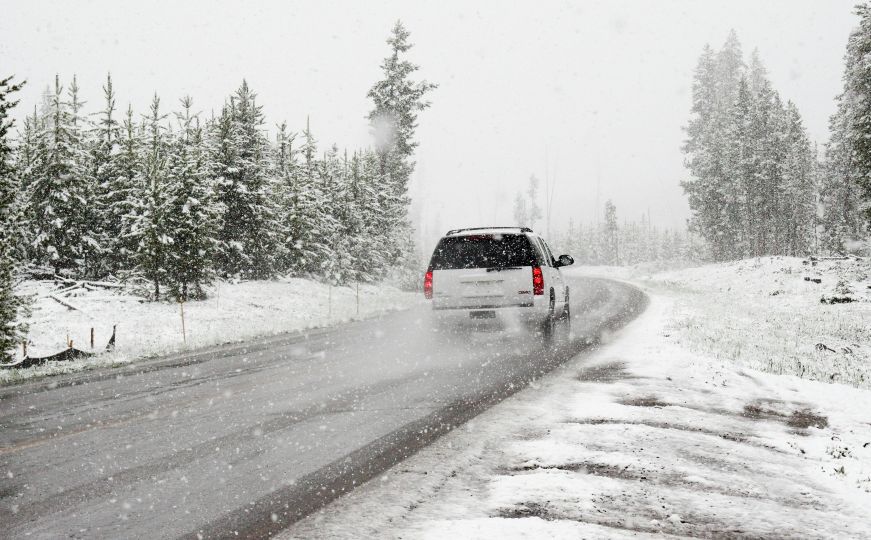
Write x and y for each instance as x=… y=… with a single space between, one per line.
x=567 y=310
x=547 y=326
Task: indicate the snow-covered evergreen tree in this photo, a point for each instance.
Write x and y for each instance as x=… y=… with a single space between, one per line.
x=521 y=211
x=798 y=214
x=249 y=232
x=858 y=89
x=307 y=212
x=840 y=193
x=748 y=158
x=92 y=247
x=28 y=160
x=191 y=213
x=611 y=234
x=124 y=201
x=148 y=227
x=526 y=208
x=337 y=265
x=532 y=197
x=764 y=163
x=11 y=327
x=366 y=240
x=397 y=100
x=284 y=170
x=59 y=194
x=109 y=182
x=378 y=223
x=706 y=188
x=846 y=190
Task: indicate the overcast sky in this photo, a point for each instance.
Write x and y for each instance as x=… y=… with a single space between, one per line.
x=593 y=93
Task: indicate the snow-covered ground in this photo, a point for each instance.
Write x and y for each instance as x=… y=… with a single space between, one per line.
x=773 y=313
x=659 y=433
x=233 y=312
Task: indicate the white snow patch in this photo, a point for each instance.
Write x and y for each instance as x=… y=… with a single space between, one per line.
x=771 y=313
x=233 y=312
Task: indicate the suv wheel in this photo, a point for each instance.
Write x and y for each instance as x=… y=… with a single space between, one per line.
x=567 y=310
x=547 y=326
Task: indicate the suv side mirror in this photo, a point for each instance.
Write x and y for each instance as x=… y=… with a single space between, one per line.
x=565 y=260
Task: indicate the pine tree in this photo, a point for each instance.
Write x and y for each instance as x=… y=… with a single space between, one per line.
x=610 y=237
x=397 y=100
x=763 y=180
x=730 y=68
x=91 y=248
x=191 y=217
x=526 y=209
x=521 y=212
x=11 y=328
x=301 y=203
x=839 y=191
x=532 y=193
x=249 y=229
x=149 y=227
x=748 y=158
x=711 y=190
x=284 y=169
x=799 y=211
x=111 y=186
x=27 y=167
x=223 y=151
x=846 y=191
x=379 y=223
x=59 y=195
x=366 y=240
x=858 y=89
x=336 y=266
x=126 y=197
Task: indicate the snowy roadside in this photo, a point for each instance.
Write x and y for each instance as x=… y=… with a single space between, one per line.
x=782 y=315
x=232 y=313
x=646 y=436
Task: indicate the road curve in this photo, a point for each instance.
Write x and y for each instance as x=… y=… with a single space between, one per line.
x=241 y=441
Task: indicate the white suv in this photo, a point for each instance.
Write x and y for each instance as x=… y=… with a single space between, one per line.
x=506 y=270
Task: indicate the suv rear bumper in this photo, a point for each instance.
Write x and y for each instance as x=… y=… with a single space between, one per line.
x=478 y=307
x=534 y=312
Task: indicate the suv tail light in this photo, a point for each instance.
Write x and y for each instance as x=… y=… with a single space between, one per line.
x=537 y=281
x=427 y=284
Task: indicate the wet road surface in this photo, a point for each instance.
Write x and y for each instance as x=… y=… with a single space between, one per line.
x=243 y=440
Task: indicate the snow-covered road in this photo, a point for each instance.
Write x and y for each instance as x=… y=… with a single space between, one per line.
x=641 y=438
x=247 y=438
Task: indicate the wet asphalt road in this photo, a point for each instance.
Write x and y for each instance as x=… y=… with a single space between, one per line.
x=242 y=440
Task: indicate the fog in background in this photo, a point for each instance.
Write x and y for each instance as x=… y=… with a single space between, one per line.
x=593 y=94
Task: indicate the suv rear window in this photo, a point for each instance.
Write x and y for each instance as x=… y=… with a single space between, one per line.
x=483 y=251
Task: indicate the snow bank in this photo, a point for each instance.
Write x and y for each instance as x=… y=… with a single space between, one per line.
x=233 y=312
x=778 y=314
x=785 y=315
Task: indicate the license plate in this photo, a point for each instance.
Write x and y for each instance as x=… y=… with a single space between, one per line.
x=482 y=289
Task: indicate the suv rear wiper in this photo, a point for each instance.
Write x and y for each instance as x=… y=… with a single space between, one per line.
x=501 y=268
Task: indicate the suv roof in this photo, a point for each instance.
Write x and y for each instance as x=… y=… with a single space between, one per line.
x=487 y=230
